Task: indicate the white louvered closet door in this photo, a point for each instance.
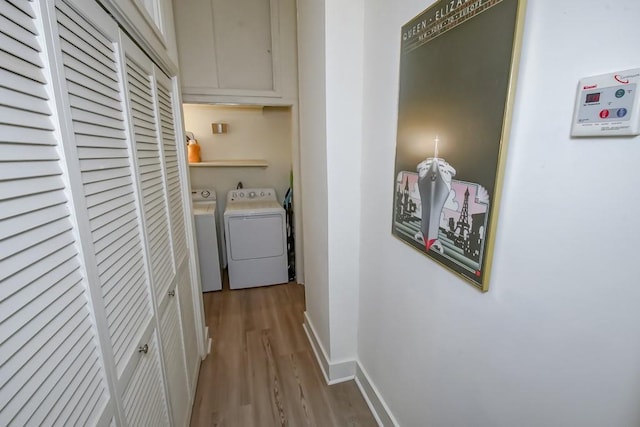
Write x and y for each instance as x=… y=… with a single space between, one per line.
x=149 y=133
x=170 y=322
x=148 y=149
x=166 y=101
x=95 y=85
x=51 y=368
x=182 y=328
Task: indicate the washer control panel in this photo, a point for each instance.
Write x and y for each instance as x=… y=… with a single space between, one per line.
x=203 y=195
x=608 y=105
x=251 y=194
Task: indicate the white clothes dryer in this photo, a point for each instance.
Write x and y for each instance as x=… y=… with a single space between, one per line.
x=255 y=229
x=205 y=217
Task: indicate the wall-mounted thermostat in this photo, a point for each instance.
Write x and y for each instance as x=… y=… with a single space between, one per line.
x=608 y=105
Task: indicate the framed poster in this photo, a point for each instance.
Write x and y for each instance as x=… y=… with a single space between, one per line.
x=458 y=68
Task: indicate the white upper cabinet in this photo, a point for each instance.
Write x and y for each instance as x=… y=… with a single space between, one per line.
x=237 y=50
x=150 y=22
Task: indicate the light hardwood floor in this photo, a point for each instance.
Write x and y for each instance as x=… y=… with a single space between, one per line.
x=262 y=370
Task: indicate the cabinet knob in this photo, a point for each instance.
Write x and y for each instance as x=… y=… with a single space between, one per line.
x=172 y=293
x=143 y=349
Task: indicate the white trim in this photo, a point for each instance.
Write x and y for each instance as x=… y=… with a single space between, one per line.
x=371 y=395
x=208 y=341
x=333 y=372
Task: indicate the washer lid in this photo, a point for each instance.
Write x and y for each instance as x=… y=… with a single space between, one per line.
x=253 y=208
x=204 y=208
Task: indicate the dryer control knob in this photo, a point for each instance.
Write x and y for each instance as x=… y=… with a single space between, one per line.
x=205 y=194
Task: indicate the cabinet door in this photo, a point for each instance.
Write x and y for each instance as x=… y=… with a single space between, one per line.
x=228 y=47
x=243 y=43
x=51 y=369
x=187 y=316
x=144 y=399
x=173 y=350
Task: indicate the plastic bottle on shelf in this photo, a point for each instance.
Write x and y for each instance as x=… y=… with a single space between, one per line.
x=193 y=151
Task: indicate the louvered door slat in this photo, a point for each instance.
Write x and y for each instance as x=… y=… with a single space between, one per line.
x=94 y=117
x=97 y=98
x=91 y=73
x=130 y=275
x=91 y=129
x=22 y=338
x=104 y=198
x=52 y=371
x=20 y=152
x=16 y=170
x=94 y=163
x=32 y=255
x=16 y=225
x=21 y=101
x=100 y=152
x=24 y=46
x=34 y=192
x=98 y=177
x=109 y=229
x=37 y=299
x=23 y=135
x=102 y=67
x=89 y=82
x=108 y=214
x=20 y=17
x=97 y=46
x=129 y=223
x=106 y=110
x=32 y=237
x=36 y=277
x=100 y=186
x=24 y=118
x=78 y=385
x=22 y=83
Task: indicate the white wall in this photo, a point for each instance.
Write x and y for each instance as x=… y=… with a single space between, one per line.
x=556 y=340
x=344 y=62
x=253 y=133
x=313 y=165
x=330 y=68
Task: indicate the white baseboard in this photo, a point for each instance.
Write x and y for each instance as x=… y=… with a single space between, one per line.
x=208 y=342
x=374 y=400
x=340 y=371
x=334 y=371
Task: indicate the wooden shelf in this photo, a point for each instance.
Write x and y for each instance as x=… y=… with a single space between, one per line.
x=237 y=163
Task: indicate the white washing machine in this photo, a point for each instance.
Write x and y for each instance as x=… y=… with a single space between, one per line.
x=206 y=221
x=255 y=231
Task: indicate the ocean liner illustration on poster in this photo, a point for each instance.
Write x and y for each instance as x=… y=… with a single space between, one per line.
x=456 y=75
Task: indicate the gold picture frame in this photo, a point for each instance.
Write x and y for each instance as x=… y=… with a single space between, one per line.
x=458 y=69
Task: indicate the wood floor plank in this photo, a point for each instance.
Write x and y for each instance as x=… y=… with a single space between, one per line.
x=262 y=371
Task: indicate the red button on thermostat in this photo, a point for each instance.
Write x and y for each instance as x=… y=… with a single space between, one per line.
x=604 y=114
